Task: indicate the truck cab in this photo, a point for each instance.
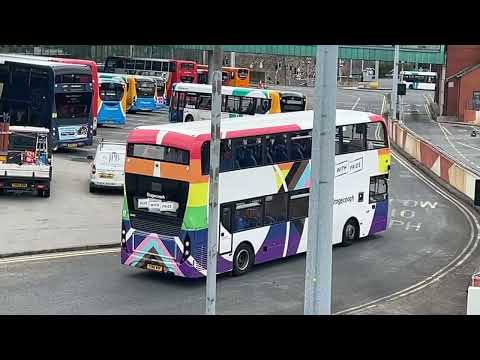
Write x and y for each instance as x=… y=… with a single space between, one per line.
x=25 y=160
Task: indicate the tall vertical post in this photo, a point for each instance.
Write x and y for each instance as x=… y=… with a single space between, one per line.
x=232 y=58
x=132 y=50
x=213 y=206
x=318 y=275
x=441 y=91
x=396 y=58
x=351 y=68
x=377 y=70
x=210 y=65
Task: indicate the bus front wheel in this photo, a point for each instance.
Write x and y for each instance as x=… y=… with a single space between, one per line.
x=350 y=232
x=188 y=118
x=243 y=259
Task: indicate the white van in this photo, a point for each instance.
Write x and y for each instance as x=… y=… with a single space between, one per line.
x=106 y=169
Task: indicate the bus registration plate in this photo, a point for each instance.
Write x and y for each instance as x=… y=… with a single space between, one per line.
x=154 y=267
x=71 y=146
x=19 y=185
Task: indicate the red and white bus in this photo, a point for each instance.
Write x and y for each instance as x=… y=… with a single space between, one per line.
x=171 y=71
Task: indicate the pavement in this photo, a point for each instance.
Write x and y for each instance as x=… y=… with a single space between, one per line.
x=427 y=237
x=454 y=139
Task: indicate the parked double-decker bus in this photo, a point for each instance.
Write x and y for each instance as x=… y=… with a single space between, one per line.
x=53 y=95
x=264 y=181
x=235 y=76
x=231 y=76
x=112 y=106
x=292 y=101
x=172 y=71
x=192 y=102
x=95 y=84
x=131 y=87
x=146 y=90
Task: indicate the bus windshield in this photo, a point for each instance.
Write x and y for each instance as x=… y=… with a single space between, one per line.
x=145 y=88
x=111 y=91
x=73 y=105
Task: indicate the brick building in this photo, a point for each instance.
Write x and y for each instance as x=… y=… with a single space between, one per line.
x=461 y=84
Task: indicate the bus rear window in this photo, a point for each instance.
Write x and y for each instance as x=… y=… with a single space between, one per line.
x=186 y=66
x=159 y=153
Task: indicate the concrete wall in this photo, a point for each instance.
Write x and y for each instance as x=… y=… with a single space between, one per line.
x=440 y=164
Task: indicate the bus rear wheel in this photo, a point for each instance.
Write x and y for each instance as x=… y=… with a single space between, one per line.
x=243 y=259
x=350 y=232
x=188 y=118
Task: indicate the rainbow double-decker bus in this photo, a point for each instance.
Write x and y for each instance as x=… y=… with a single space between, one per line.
x=264 y=181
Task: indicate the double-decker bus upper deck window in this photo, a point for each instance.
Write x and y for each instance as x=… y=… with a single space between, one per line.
x=159 y=153
x=166 y=66
x=157 y=66
x=73 y=79
x=248 y=152
x=130 y=64
x=173 y=66
x=242 y=73
x=376 y=138
x=353 y=138
x=301 y=145
x=139 y=64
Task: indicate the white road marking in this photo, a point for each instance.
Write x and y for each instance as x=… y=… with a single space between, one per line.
x=58 y=255
x=452 y=265
x=356 y=103
x=469 y=146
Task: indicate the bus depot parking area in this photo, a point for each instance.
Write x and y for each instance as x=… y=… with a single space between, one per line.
x=397 y=271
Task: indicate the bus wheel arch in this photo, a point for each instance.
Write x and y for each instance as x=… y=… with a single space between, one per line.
x=188 y=118
x=351 y=231
x=243 y=258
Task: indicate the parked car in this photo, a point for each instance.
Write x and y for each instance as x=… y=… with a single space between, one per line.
x=107 y=167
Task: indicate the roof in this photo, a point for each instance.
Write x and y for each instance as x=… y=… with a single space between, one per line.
x=55 y=59
x=113 y=79
x=287 y=121
x=464 y=71
x=205 y=88
x=38 y=62
x=414 y=72
x=29 y=129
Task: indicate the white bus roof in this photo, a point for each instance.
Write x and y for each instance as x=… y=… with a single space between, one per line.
x=302 y=119
x=427 y=73
x=204 y=88
x=29 y=129
x=143 y=77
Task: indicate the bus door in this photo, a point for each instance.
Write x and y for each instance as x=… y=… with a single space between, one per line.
x=176 y=106
x=225 y=231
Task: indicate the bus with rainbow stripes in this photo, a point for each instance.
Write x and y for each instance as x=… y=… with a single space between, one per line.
x=264 y=181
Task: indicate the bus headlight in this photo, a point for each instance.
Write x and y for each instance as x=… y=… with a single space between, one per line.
x=187 y=253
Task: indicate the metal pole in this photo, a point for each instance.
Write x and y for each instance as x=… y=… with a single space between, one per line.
x=210 y=66
x=213 y=207
x=441 y=91
x=395 y=81
x=232 y=58
x=132 y=51
x=377 y=70
x=318 y=275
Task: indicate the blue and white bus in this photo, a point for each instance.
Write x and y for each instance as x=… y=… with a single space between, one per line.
x=145 y=99
x=112 y=105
